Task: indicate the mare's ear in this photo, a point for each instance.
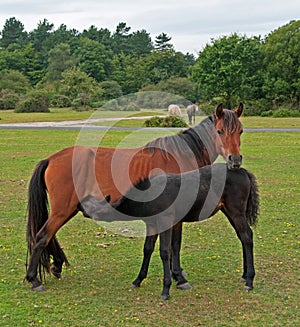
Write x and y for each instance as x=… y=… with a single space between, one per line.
x=239 y=110
x=107 y=198
x=219 y=111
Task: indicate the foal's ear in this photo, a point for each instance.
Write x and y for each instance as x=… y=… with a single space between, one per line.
x=219 y=111
x=107 y=198
x=239 y=110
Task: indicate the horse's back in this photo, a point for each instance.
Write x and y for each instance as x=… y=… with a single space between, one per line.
x=77 y=171
x=174 y=109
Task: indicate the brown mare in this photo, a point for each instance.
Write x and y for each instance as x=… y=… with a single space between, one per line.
x=67 y=176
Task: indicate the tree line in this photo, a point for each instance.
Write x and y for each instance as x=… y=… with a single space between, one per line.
x=63 y=67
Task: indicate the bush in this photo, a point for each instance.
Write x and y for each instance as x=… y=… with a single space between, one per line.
x=285 y=113
x=83 y=102
x=60 y=101
x=169 y=121
x=36 y=101
x=111 y=90
x=8 y=100
x=268 y=113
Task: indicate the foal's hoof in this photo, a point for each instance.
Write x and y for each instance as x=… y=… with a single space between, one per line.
x=135 y=285
x=243 y=280
x=184 y=273
x=165 y=297
x=184 y=287
x=248 y=288
x=40 y=288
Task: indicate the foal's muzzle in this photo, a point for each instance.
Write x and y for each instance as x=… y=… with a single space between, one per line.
x=234 y=161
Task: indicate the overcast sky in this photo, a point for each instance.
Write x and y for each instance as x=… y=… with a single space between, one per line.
x=190 y=23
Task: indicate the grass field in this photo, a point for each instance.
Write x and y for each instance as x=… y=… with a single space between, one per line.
x=8 y=116
x=95 y=289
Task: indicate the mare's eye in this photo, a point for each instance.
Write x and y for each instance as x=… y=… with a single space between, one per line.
x=219 y=131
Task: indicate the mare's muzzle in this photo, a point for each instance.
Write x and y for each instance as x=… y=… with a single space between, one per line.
x=234 y=161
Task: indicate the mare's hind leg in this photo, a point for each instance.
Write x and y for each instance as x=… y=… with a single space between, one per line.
x=46 y=245
x=148 y=250
x=59 y=258
x=245 y=235
x=31 y=275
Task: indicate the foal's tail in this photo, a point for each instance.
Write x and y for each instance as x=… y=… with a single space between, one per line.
x=37 y=217
x=253 y=201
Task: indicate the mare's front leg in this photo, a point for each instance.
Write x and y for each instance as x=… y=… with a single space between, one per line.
x=149 y=245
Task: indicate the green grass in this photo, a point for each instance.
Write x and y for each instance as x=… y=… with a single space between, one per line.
x=8 y=116
x=95 y=289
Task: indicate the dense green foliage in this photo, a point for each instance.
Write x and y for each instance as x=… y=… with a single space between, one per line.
x=97 y=65
x=168 y=121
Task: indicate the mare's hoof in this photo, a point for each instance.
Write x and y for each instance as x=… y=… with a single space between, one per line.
x=184 y=287
x=243 y=280
x=248 y=288
x=40 y=288
x=55 y=273
x=165 y=297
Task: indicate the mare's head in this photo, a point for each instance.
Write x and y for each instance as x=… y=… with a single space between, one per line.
x=229 y=129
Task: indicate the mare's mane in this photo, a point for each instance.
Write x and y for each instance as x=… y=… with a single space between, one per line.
x=193 y=137
x=190 y=137
x=230 y=121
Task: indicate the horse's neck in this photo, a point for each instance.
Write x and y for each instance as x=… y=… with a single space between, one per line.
x=207 y=135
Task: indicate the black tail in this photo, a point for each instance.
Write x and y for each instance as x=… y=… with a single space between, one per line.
x=37 y=217
x=253 y=201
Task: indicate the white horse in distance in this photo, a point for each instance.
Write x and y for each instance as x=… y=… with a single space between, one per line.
x=191 y=112
x=174 y=110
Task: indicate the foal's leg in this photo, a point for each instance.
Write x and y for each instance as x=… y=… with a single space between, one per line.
x=245 y=235
x=182 y=283
x=148 y=250
x=165 y=255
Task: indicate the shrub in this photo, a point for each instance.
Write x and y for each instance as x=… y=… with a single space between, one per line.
x=168 y=121
x=35 y=101
x=8 y=100
x=60 y=101
x=83 y=102
x=285 y=113
x=111 y=90
x=267 y=113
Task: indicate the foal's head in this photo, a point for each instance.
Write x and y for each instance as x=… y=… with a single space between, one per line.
x=229 y=129
x=96 y=209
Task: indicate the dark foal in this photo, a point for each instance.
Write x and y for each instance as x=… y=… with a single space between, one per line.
x=162 y=201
